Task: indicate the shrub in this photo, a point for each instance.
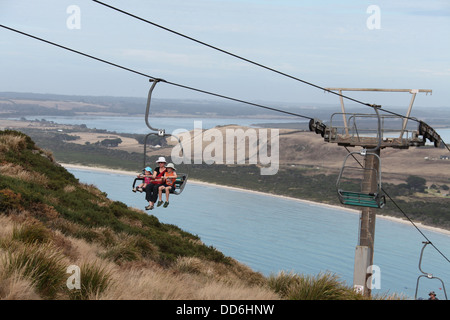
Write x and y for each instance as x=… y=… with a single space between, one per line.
x=282 y=282
x=12 y=142
x=122 y=252
x=31 y=233
x=144 y=246
x=190 y=265
x=10 y=200
x=41 y=264
x=324 y=286
x=416 y=183
x=94 y=280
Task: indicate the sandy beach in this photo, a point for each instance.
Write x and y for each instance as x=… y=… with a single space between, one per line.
x=353 y=211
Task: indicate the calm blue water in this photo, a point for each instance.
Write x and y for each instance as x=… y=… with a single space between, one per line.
x=272 y=234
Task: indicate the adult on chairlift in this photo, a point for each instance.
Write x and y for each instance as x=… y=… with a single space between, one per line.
x=151 y=190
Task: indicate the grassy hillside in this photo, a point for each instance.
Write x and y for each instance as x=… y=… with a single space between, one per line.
x=51 y=221
x=50 y=225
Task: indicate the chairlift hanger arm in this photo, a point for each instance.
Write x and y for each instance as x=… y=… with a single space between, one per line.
x=425 y=274
x=376 y=107
x=421 y=255
x=161 y=132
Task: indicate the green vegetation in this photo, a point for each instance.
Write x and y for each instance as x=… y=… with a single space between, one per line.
x=324 y=286
x=95 y=279
x=42 y=264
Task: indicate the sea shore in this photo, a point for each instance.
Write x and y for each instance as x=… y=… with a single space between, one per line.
x=353 y=211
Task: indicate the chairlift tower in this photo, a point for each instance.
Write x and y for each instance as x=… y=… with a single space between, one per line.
x=354 y=130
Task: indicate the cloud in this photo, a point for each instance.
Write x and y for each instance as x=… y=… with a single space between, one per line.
x=435 y=8
x=192 y=61
x=433 y=72
x=157 y=56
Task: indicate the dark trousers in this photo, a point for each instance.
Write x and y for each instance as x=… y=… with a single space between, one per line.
x=151 y=192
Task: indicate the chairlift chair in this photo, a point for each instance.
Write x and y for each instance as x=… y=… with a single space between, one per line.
x=182 y=178
x=180 y=183
x=361 y=197
x=357 y=196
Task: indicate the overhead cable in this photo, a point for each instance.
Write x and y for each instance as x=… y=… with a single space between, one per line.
x=250 y=61
x=379 y=107
x=185 y=86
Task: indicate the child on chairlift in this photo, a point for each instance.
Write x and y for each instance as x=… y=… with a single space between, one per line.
x=169 y=178
x=147 y=178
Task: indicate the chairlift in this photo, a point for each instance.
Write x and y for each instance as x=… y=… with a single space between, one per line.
x=427 y=275
x=361 y=196
x=182 y=178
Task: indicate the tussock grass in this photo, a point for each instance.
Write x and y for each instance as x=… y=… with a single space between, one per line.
x=163 y=284
x=12 y=142
x=31 y=233
x=18 y=172
x=68 y=228
x=69 y=188
x=41 y=264
x=131 y=248
x=14 y=286
x=123 y=252
x=324 y=286
x=231 y=273
x=95 y=279
x=6 y=228
x=191 y=265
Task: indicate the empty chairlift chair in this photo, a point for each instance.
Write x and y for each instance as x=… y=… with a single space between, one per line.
x=351 y=187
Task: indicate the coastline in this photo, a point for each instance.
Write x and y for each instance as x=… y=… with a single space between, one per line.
x=353 y=211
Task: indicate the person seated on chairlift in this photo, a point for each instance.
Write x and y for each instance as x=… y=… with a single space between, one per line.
x=151 y=191
x=147 y=179
x=169 y=178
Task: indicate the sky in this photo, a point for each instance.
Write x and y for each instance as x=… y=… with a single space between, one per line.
x=350 y=43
